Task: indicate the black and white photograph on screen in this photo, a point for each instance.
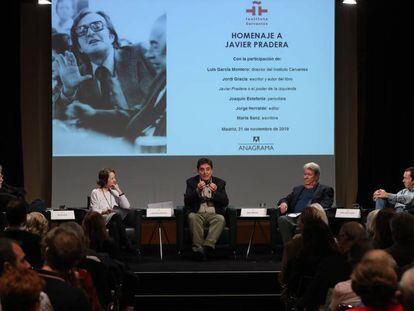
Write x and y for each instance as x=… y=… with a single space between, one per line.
x=108 y=79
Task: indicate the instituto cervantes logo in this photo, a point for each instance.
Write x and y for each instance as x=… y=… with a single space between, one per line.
x=257 y=9
x=257 y=14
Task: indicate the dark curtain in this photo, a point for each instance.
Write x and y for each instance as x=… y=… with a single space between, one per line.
x=10 y=125
x=385 y=96
x=36 y=103
x=346 y=105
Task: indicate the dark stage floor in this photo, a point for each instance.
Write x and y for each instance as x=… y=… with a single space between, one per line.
x=179 y=283
x=259 y=260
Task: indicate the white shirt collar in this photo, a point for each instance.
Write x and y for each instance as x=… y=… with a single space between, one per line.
x=109 y=63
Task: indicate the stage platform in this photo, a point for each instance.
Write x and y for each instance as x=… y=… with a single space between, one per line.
x=224 y=283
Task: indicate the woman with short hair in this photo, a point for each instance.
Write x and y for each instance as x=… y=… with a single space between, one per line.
x=109 y=200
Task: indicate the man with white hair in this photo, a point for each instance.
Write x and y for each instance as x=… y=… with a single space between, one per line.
x=151 y=119
x=300 y=197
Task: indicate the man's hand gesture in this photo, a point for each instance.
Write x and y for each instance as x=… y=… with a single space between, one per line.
x=69 y=73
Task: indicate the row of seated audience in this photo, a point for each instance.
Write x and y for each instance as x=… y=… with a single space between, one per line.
x=317 y=268
x=314 y=261
x=74 y=267
x=360 y=267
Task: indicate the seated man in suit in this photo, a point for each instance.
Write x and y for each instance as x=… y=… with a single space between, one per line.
x=151 y=120
x=300 y=197
x=403 y=199
x=8 y=192
x=110 y=82
x=206 y=199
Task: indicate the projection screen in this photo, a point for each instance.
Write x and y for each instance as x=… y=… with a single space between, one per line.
x=147 y=87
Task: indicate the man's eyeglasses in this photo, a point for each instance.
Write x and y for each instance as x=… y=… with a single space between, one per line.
x=83 y=30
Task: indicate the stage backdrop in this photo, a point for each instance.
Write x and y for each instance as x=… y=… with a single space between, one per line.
x=248 y=83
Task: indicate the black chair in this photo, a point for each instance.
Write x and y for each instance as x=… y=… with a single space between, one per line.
x=132 y=222
x=4 y=200
x=227 y=240
x=275 y=237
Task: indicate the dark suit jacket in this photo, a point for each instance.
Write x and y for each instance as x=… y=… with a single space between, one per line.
x=331 y=270
x=403 y=254
x=30 y=243
x=62 y=295
x=150 y=115
x=192 y=200
x=8 y=193
x=135 y=75
x=323 y=195
x=16 y=192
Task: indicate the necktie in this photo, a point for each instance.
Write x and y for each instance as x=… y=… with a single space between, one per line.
x=104 y=76
x=111 y=92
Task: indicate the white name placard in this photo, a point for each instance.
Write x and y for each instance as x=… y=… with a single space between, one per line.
x=161 y=209
x=253 y=212
x=160 y=212
x=62 y=215
x=348 y=213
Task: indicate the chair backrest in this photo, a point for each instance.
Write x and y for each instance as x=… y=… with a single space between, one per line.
x=88 y=202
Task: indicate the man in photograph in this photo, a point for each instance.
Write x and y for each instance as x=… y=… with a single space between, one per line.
x=151 y=120
x=110 y=82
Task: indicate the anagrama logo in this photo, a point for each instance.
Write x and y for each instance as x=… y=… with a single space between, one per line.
x=256 y=145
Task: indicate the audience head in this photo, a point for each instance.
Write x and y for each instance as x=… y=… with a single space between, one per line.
x=88 y=25
x=78 y=230
x=16 y=212
x=320 y=212
x=313 y=211
x=62 y=249
x=317 y=238
x=311 y=173
x=37 y=223
x=1 y=175
x=349 y=233
x=408 y=178
x=20 y=290
x=95 y=229
x=402 y=228
x=370 y=225
x=157 y=51
x=205 y=168
x=382 y=234
x=12 y=256
x=374 y=279
x=104 y=176
x=358 y=249
x=407 y=289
